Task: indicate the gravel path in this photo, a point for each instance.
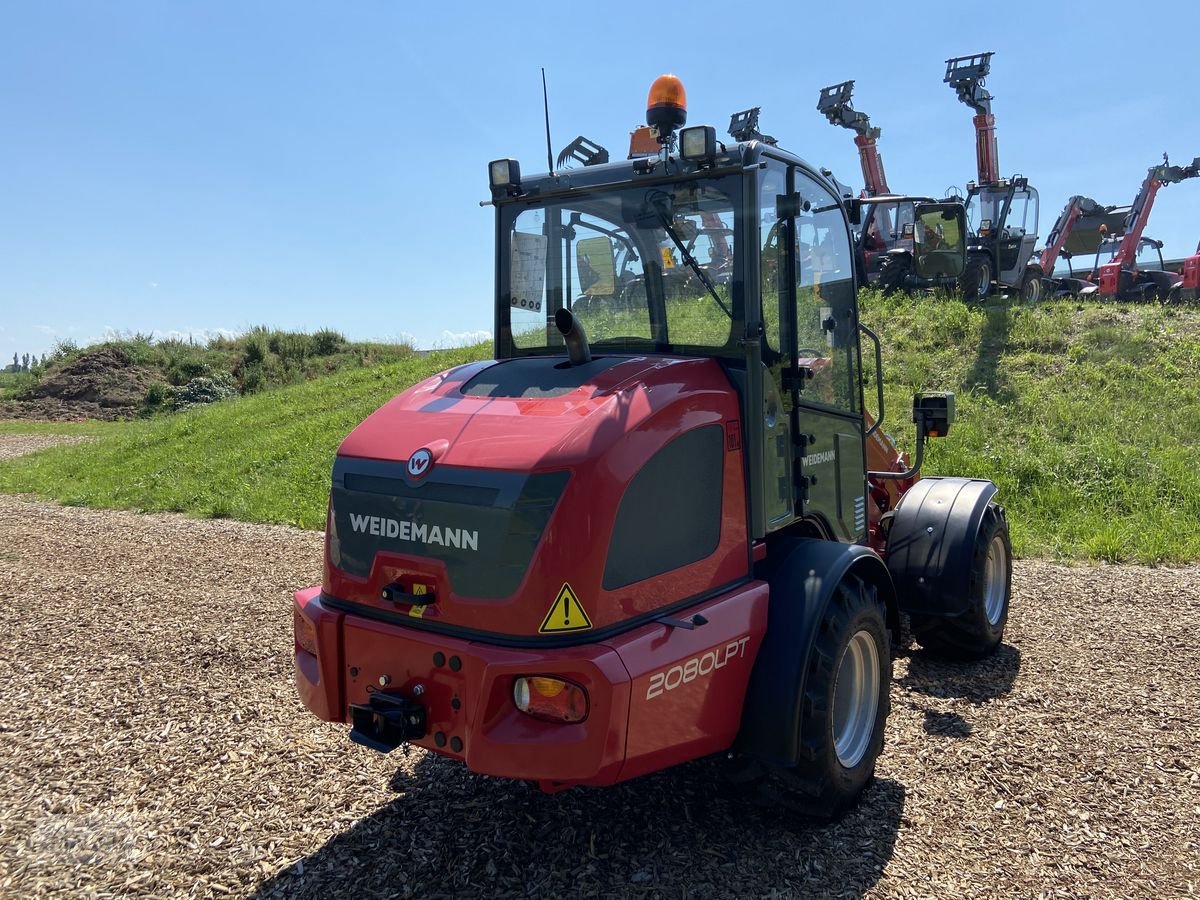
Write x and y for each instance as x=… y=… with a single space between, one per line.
x=151 y=743
x=19 y=444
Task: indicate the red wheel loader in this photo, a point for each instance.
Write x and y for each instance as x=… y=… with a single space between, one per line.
x=648 y=530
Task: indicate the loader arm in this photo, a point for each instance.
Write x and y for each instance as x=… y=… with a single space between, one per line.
x=1139 y=214
x=836 y=104
x=967 y=75
x=1077 y=208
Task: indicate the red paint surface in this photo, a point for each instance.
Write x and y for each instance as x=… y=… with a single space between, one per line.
x=603 y=432
x=624 y=735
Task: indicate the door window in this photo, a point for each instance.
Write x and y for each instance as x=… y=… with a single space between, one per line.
x=826 y=318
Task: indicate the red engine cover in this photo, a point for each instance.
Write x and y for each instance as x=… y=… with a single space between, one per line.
x=601 y=424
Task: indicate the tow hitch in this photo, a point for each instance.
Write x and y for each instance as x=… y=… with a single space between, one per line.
x=386 y=722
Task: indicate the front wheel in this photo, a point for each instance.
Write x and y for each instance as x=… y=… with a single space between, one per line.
x=1031 y=287
x=845 y=709
x=893 y=275
x=976 y=632
x=976 y=279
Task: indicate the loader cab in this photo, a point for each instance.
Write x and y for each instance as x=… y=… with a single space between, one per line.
x=886 y=225
x=744 y=256
x=1148 y=256
x=1003 y=221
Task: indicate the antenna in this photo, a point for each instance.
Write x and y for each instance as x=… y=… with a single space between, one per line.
x=546 y=105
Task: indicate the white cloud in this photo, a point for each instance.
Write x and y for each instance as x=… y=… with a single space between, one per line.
x=152 y=284
x=463 y=338
x=46 y=330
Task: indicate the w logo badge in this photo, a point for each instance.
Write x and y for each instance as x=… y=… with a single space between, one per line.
x=419 y=463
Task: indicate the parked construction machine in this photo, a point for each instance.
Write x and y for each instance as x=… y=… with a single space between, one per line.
x=890 y=233
x=1187 y=287
x=1080 y=228
x=654 y=527
x=1002 y=213
x=1130 y=267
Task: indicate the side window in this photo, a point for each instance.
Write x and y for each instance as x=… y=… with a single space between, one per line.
x=826 y=318
x=773 y=253
x=1018 y=214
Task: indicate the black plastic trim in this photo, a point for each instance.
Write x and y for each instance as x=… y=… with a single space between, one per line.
x=510 y=640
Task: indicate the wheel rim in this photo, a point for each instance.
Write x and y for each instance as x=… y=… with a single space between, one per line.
x=985 y=280
x=995 y=580
x=856 y=699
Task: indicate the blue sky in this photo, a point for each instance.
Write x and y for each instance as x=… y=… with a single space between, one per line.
x=195 y=167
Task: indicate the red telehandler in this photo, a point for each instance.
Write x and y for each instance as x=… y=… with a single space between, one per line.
x=1187 y=287
x=1002 y=213
x=648 y=530
x=887 y=239
x=1080 y=229
x=1130 y=267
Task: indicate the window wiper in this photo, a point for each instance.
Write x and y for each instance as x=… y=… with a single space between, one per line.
x=665 y=220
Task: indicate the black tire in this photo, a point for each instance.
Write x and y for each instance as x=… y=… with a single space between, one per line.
x=1032 y=288
x=893 y=275
x=975 y=283
x=978 y=631
x=829 y=779
x=1174 y=296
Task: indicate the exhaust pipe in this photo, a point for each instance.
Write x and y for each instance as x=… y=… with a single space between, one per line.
x=578 y=351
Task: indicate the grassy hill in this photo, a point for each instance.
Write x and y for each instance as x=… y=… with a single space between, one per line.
x=1087 y=416
x=137 y=375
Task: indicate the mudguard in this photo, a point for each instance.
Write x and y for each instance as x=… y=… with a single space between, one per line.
x=802 y=574
x=931 y=543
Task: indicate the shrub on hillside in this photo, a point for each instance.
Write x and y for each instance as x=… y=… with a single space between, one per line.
x=255 y=351
x=293 y=348
x=159 y=395
x=187 y=367
x=326 y=342
x=202 y=390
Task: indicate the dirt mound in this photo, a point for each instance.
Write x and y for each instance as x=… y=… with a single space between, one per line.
x=98 y=383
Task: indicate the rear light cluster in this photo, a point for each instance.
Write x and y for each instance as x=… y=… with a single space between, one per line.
x=551 y=699
x=306 y=634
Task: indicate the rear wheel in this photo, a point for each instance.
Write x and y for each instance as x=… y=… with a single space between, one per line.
x=893 y=274
x=1031 y=287
x=845 y=708
x=976 y=279
x=1175 y=295
x=976 y=632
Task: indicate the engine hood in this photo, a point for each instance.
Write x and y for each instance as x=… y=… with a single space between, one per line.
x=521 y=414
x=529 y=465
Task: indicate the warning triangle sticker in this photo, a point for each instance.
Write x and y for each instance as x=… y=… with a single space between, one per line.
x=566 y=614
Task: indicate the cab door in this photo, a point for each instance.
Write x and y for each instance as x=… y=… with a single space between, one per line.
x=812 y=345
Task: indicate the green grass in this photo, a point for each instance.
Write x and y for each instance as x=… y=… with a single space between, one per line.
x=263 y=458
x=1086 y=415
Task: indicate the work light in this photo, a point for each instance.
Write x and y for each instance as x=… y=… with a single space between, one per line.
x=504 y=176
x=698 y=142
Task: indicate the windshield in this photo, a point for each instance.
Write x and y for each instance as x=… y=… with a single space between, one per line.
x=1105 y=253
x=641 y=267
x=983 y=210
x=886 y=225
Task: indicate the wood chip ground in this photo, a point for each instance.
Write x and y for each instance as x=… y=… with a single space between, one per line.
x=152 y=744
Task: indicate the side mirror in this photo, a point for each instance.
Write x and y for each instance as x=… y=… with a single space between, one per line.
x=933 y=412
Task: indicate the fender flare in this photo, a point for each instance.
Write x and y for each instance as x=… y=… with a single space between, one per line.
x=802 y=574
x=931 y=542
